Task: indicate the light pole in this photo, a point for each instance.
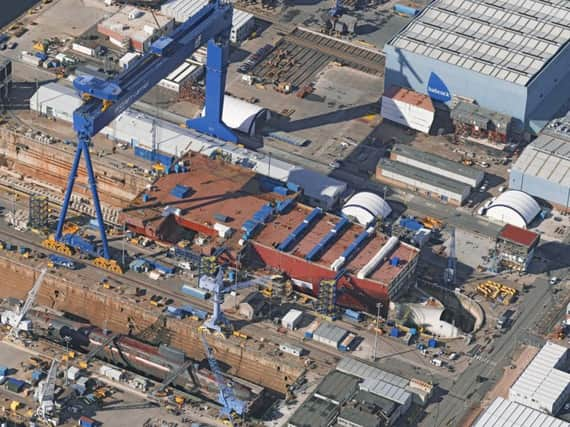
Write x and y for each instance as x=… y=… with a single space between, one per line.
x=67 y=340
x=378 y=306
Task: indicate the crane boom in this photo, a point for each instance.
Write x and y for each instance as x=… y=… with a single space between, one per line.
x=231 y=404
x=30 y=299
x=105 y=100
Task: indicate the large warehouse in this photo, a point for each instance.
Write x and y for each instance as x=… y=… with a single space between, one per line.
x=509 y=56
x=543 y=168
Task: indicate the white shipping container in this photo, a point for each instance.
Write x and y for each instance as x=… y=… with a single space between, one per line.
x=291 y=349
x=31 y=59
x=127 y=59
x=83 y=49
x=73 y=373
x=111 y=373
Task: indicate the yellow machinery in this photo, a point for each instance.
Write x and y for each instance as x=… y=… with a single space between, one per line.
x=108 y=264
x=496 y=291
x=41 y=46
x=15 y=405
x=240 y=335
x=158 y=168
x=432 y=223
x=70 y=228
x=54 y=245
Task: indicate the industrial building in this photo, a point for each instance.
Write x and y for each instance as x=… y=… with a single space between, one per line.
x=147 y=133
x=473 y=123
x=505 y=413
x=187 y=73
x=545 y=384
x=408 y=108
x=513 y=207
x=543 y=168
x=365 y=207
x=243 y=23
x=132 y=28
x=266 y=220
x=423 y=182
x=355 y=395
x=510 y=56
x=515 y=248
x=436 y=164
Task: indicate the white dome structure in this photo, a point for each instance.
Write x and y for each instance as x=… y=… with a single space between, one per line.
x=241 y=115
x=365 y=207
x=513 y=207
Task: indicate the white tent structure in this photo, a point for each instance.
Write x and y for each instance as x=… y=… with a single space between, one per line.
x=365 y=207
x=241 y=115
x=513 y=207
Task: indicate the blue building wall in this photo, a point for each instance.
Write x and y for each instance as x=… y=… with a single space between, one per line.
x=540 y=187
x=410 y=70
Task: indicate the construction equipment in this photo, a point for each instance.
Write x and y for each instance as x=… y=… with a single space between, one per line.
x=104 y=100
x=46 y=395
x=497 y=291
x=28 y=303
x=450 y=272
x=215 y=286
x=231 y=405
x=432 y=223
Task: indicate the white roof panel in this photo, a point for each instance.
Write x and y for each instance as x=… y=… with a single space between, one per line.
x=504 y=413
x=532 y=29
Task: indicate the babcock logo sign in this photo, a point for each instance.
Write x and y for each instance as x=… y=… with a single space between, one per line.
x=437 y=89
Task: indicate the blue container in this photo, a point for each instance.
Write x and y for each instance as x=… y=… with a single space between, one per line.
x=354 y=315
x=309 y=335
x=195 y=292
x=410 y=224
x=14 y=385
x=37 y=375
x=283 y=191
x=180 y=191
x=413 y=331
x=395 y=261
x=295 y=188
x=62 y=261
x=394 y=332
x=285 y=206
x=4 y=371
x=87 y=422
x=232 y=276
x=432 y=343
x=145 y=197
x=406 y=10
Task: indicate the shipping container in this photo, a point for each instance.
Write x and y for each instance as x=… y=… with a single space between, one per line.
x=4 y=370
x=329 y=334
x=353 y=315
x=111 y=373
x=309 y=332
x=405 y=10
x=346 y=343
x=14 y=385
x=291 y=349
x=195 y=292
x=87 y=422
x=221 y=217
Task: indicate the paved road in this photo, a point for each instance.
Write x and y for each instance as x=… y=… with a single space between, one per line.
x=466 y=391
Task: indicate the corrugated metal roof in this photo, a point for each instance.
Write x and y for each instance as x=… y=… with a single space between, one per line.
x=507 y=39
x=504 y=413
x=330 y=332
x=362 y=370
x=437 y=161
x=337 y=387
x=421 y=175
x=386 y=390
x=541 y=380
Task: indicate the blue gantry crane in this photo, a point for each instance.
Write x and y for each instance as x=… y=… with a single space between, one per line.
x=104 y=100
x=231 y=405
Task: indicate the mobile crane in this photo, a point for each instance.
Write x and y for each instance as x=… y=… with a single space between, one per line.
x=104 y=100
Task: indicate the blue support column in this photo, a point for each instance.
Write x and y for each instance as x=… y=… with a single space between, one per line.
x=68 y=191
x=216 y=67
x=96 y=203
x=83 y=147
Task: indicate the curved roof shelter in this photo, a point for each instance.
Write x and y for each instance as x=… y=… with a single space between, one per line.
x=365 y=207
x=514 y=207
x=241 y=115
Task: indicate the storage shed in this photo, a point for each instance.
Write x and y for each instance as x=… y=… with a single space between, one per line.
x=514 y=207
x=243 y=116
x=365 y=207
x=329 y=334
x=292 y=319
